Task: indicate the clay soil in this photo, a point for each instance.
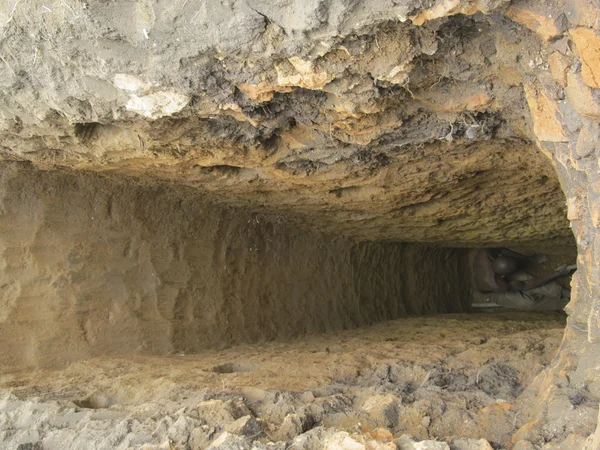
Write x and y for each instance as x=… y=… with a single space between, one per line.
x=441 y=377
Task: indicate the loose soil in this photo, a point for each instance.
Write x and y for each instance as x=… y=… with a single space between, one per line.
x=441 y=377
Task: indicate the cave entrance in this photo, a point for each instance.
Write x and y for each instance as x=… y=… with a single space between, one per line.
x=112 y=285
x=98 y=264
x=281 y=249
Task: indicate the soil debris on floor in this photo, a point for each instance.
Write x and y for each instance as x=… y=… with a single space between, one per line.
x=402 y=384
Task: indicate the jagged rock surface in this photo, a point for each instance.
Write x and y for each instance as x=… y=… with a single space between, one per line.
x=411 y=121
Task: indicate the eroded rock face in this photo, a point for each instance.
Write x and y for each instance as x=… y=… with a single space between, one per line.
x=405 y=121
x=377 y=121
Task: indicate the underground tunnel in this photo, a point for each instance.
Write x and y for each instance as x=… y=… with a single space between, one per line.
x=257 y=225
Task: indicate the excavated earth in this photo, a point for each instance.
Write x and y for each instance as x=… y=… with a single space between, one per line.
x=243 y=224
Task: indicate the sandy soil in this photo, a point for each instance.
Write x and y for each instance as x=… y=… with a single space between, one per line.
x=97 y=266
x=440 y=377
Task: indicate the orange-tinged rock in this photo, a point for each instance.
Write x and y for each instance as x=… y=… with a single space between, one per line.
x=440 y=9
x=234 y=110
x=526 y=432
x=263 y=91
x=543 y=24
x=546 y=125
x=445 y=8
x=588 y=46
x=302 y=73
x=380 y=434
x=581 y=96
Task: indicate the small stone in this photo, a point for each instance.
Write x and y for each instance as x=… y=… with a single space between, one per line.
x=157 y=104
x=255 y=394
x=382 y=434
x=576 y=399
x=217 y=413
x=263 y=91
x=301 y=73
x=344 y=441
x=530 y=430
x=382 y=410
x=201 y=436
x=244 y=426
x=228 y=441
x=431 y=445
x=182 y=428
x=587 y=142
x=289 y=429
x=406 y=442
x=562 y=45
x=471 y=444
x=310 y=439
x=307 y=397
x=523 y=445
x=338 y=442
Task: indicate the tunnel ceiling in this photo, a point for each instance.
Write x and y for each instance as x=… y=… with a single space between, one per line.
x=379 y=120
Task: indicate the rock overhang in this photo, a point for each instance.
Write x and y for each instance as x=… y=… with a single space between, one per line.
x=396 y=123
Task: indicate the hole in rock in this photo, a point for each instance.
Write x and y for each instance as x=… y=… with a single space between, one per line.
x=96 y=401
x=170 y=294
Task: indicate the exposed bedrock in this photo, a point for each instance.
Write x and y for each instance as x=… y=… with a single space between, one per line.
x=349 y=124
x=349 y=115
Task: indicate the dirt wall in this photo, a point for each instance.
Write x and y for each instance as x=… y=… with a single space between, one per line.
x=95 y=265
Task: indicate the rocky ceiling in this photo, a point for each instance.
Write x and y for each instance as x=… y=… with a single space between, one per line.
x=394 y=120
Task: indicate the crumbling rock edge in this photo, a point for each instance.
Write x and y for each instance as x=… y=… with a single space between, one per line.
x=96 y=117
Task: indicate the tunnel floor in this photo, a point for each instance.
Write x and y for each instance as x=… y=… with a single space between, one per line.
x=439 y=377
